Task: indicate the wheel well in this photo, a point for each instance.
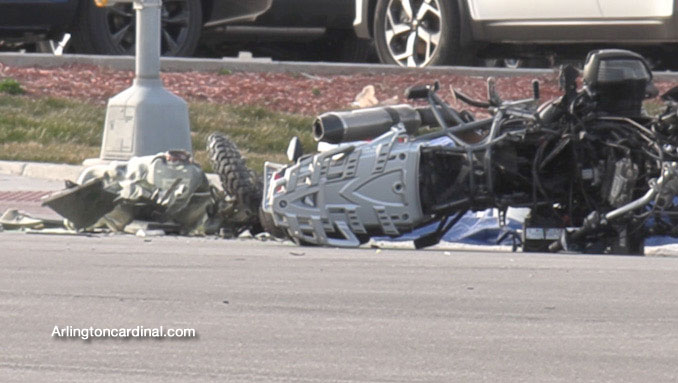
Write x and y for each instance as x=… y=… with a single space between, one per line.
x=206 y=10
x=370 y=19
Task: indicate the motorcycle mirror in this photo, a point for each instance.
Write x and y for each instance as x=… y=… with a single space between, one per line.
x=294 y=149
x=418 y=92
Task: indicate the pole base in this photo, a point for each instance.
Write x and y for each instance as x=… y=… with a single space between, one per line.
x=145 y=119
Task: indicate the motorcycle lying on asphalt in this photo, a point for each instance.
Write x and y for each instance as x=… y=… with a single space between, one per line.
x=598 y=174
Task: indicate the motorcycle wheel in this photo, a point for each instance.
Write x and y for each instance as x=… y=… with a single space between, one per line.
x=236 y=178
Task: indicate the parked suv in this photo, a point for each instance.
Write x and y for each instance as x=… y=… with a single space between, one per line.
x=432 y=32
x=110 y=30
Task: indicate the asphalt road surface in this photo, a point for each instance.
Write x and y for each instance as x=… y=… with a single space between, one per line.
x=270 y=312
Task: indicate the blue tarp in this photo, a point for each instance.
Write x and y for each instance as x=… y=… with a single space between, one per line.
x=476 y=228
x=482 y=228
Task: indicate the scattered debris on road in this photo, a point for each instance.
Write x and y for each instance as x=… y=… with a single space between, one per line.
x=166 y=193
x=14 y=219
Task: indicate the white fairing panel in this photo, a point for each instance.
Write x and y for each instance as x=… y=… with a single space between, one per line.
x=538 y=9
x=636 y=8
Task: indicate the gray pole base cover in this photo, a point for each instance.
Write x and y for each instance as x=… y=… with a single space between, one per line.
x=145 y=119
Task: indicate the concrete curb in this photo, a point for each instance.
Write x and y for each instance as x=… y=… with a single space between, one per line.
x=182 y=64
x=41 y=170
x=59 y=172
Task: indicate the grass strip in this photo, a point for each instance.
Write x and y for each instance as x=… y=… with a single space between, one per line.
x=50 y=129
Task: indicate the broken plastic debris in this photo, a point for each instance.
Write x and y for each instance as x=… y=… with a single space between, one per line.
x=69 y=203
x=265 y=236
x=135 y=226
x=366 y=98
x=149 y=233
x=14 y=219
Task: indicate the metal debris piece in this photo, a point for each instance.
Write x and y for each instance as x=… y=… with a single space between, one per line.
x=57 y=231
x=83 y=205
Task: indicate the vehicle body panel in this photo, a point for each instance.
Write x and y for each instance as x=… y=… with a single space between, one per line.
x=309 y=13
x=554 y=21
x=18 y=16
x=533 y=10
x=636 y=9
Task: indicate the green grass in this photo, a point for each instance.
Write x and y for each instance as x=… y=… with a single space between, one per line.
x=10 y=86
x=654 y=107
x=261 y=135
x=58 y=130
x=49 y=129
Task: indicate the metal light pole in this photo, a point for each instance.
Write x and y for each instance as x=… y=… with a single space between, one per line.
x=146 y=118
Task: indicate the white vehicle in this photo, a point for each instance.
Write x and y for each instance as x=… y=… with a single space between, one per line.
x=418 y=33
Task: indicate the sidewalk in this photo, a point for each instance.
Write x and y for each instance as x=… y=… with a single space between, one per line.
x=25 y=194
x=23 y=184
x=41 y=170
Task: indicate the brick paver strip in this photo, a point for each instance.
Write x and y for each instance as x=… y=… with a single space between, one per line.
x=23 y=196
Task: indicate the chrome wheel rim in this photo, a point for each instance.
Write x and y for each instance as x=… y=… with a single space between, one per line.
x=412 y=30
x=121 y=24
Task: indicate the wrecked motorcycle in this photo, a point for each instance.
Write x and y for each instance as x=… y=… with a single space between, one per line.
x=167 y=191
x=598 y=174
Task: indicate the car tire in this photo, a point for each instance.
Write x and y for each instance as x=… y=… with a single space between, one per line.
x=426 y=34
x=111 y=30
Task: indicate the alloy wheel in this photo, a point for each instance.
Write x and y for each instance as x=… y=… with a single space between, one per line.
x=121 y=24
x=413 y=29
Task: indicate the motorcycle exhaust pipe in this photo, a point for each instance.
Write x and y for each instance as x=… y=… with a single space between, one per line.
x=364 y=124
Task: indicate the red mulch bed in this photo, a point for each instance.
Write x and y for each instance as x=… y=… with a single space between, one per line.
x=284 y=92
